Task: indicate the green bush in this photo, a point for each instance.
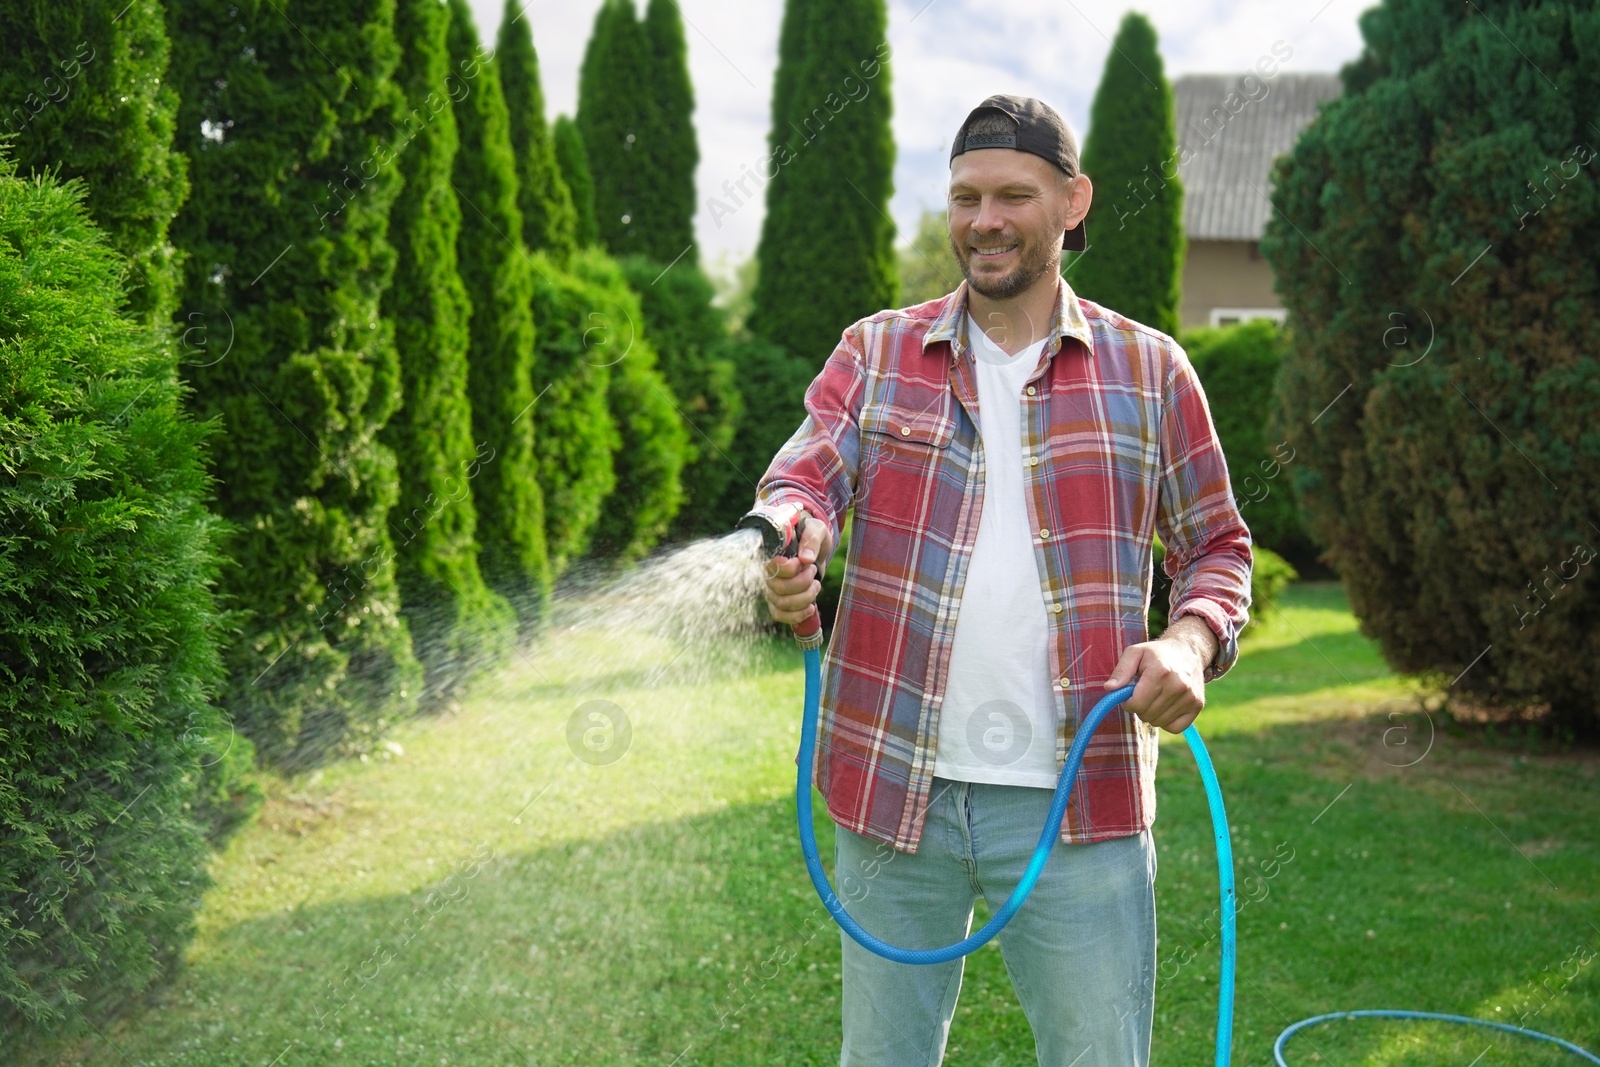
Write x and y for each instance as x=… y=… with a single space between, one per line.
x=1270 y=575
x=773 y=386
x=111 y=743
x=653 y=443
x=1238 y=367
x=690 y=336
x=572 y=378
x=86 y=95
x=1433 y=238
x=928 y=268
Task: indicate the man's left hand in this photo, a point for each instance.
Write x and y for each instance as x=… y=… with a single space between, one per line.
x=1170 y=691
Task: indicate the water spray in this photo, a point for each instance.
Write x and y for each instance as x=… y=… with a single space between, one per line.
x=781 y=528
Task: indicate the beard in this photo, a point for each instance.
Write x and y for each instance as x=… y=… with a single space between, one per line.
x=1035 y=260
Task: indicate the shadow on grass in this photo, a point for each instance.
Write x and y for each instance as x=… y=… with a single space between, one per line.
x=1464 y=883
x=1279 y=670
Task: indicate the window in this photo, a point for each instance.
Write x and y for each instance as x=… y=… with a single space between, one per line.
x=1234 y=316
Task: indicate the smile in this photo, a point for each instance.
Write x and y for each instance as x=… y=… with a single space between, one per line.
x=992 y=253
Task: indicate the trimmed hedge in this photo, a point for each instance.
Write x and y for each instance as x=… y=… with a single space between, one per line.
x=108 y=661
x=611 y=447
x=670 y=152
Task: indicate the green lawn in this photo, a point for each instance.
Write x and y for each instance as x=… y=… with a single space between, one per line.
x=487 y=898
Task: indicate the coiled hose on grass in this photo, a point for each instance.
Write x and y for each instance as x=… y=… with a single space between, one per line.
x=1041 y=854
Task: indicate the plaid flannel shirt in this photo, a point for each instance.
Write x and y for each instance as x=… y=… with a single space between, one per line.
x=1118 y=443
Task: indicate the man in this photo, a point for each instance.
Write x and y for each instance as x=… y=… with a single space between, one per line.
x=1008 y=450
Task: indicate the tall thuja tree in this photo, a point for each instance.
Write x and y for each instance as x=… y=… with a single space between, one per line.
x=84 y=93
x=1136 y=221
x=668 y=153
x=772 y=379
x=685 y=329
x=287 y=124
x=549 y=220
x=458 y=625
x=615 y=111
x=573 y=159
x=1433 y=241
x=497 y=271
x=827 y=245
x=108 y=629
x=87 y=95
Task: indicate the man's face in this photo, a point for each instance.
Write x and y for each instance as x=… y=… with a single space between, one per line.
x=1008 y=209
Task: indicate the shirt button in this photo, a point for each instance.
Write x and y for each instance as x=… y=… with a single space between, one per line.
x=905 y=431
x=1031 y=390
x=1033 y=461
x=1065 y=681
x=1044 y=535
x=1056 y=607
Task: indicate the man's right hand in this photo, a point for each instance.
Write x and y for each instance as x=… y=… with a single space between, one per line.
x=794 y=582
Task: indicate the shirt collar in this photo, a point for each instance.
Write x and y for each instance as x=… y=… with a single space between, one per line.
x=951 y=323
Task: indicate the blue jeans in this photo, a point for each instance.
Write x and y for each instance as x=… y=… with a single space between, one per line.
x=1081 y=953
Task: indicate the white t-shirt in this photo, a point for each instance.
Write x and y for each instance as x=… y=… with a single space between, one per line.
x=997 y=722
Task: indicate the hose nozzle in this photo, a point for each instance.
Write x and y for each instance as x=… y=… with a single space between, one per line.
x=780 y=529
x=780 y=536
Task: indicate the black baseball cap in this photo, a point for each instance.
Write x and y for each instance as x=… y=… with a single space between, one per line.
x=1037 y=129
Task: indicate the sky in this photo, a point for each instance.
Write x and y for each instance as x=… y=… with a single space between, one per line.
x=947 y=55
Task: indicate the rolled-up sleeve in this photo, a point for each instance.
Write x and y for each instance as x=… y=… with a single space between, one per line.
x=816 y=468
x=1208 y=554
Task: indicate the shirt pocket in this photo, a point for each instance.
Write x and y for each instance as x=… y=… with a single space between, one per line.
x=902 y=424
x=905 y=455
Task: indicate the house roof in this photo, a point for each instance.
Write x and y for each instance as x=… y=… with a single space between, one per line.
x=1232 y=144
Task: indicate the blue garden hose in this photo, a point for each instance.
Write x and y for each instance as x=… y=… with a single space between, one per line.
x=1392 y=1013
x=1041 y=854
